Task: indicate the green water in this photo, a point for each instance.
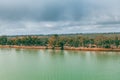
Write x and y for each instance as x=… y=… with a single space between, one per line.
x=26 y=64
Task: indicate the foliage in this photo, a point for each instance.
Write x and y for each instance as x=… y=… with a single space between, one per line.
x=100 y=41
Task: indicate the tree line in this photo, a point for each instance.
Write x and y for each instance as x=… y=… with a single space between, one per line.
x=54 y=41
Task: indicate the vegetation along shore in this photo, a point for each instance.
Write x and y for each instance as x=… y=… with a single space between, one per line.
x=92 y=41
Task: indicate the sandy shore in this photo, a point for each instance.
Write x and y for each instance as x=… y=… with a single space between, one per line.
x=58 y=48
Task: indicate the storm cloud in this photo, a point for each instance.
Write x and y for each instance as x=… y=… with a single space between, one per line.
x=58 y=16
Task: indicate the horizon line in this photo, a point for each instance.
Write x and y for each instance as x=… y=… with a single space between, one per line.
x=63 y=34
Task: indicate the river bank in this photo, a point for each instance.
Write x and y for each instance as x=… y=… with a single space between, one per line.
x=58 y=48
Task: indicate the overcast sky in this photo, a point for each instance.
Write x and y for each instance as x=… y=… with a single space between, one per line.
x=18 y=17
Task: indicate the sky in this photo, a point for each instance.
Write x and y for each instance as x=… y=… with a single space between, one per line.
x=24 y=17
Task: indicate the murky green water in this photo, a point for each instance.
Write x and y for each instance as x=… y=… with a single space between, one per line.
x=26 y=64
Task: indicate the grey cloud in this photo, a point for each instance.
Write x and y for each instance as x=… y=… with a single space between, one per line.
x=50 y=10
x=63 y=16
x=109 y=23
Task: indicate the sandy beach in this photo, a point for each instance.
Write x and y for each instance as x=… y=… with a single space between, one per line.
x=58 y=48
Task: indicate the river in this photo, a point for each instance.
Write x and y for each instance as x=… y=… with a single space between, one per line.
x=34 y=64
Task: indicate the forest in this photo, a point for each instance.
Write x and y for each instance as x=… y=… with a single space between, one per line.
x=93 y=40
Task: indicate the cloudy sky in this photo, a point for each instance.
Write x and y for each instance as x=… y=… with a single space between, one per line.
x=58 y=16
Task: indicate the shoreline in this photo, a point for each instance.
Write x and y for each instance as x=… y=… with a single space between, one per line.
x=58 y=48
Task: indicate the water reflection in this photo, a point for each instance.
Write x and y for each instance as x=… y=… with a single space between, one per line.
x=35 y=64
